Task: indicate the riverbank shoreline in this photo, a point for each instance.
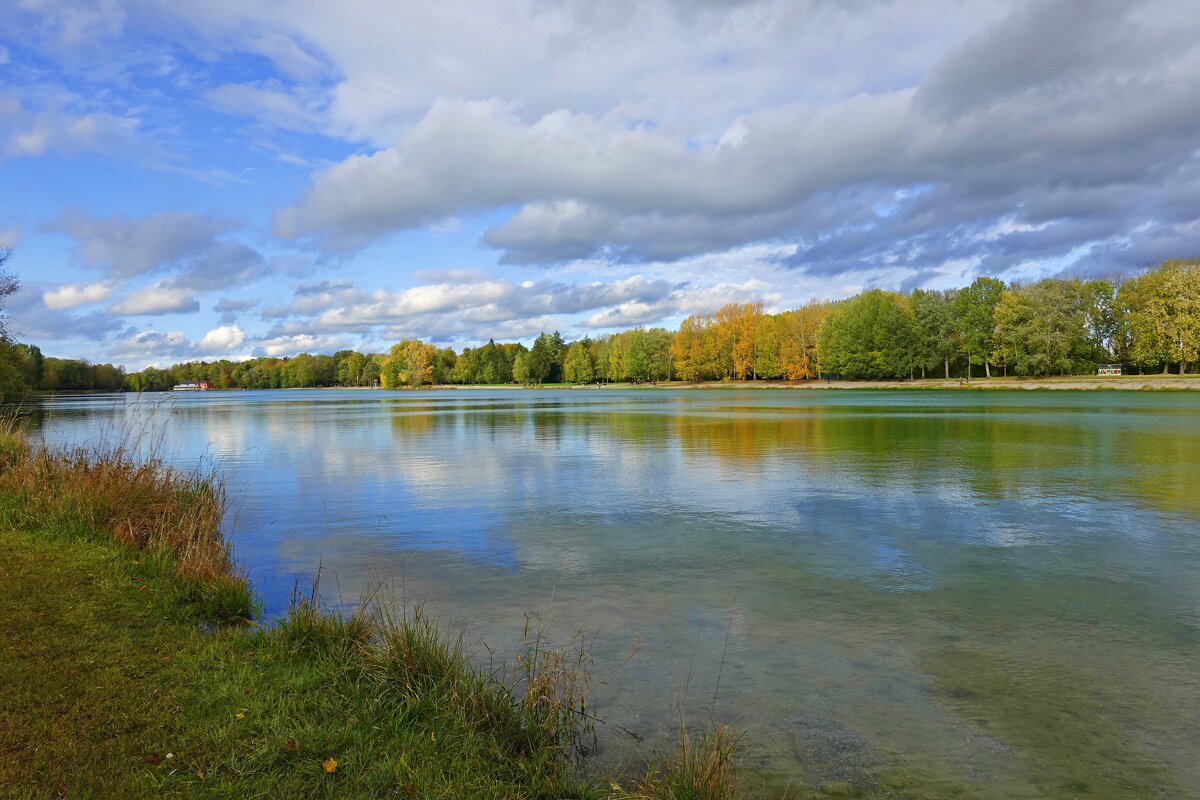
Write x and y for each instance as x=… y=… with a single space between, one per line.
x=1065 y=383
x=1076 y=383
x=133 y=668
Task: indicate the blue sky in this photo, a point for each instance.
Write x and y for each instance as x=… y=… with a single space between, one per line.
x=226 y=179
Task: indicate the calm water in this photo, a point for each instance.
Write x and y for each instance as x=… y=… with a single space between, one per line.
x=927 y=594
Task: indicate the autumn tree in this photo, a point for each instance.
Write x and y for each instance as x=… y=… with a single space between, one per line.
x=1161 y=314
x=409 y=363
x=687 y=347
x=798 y=333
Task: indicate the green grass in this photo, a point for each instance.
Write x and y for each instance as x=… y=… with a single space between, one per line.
x=92 y=660
x=117 y=684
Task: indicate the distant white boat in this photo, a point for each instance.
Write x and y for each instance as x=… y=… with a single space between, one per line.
x=203 y=386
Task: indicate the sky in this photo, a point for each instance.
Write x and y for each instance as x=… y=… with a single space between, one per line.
x=233 y=178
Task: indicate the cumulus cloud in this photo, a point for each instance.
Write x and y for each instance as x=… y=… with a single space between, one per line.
x=290 y=345
x=33 y=320
x=223 y=339
x=997 y=122
x=72 y=295
x=158 y=298
x=476 y=303
x=161 y=348
x=148 y=346
x=182 y=245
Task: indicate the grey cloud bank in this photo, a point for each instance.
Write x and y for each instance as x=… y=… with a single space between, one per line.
x=1074 y=124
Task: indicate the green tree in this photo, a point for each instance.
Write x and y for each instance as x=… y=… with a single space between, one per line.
x=868 y=336
x=975 y=312
x=557 y=351
x=933 y=330
x=637 y=357
x=520 y=369
x=599 y=351
x=616 y=358
x=1043 y=327
x=351 y=368
x=577 y=365
x=1102 y=323
x=540 y=360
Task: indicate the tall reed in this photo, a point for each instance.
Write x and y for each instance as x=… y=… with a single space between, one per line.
x=120 y=487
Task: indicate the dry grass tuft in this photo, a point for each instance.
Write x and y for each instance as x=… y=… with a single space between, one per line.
x=702 y=769
x=552 y=684
x=140 y=501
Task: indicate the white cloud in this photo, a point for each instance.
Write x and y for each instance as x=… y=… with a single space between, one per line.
x=143 y=346
x=223 y=339
x=25 y=132
x=298 y=343
x=73 y=295
x=158 y=298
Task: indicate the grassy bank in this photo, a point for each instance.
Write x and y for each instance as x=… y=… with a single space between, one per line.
x=131 y=668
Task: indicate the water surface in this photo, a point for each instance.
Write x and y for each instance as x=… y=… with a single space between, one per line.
x=925 y=594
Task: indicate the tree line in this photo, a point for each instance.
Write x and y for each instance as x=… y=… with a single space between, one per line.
x=1055 y=326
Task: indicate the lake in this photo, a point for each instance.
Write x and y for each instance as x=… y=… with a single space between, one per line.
x=924 y=594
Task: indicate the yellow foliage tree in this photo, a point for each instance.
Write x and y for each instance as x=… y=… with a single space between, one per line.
x=408 y=363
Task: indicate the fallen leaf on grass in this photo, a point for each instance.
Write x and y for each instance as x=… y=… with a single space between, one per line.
x=329 y=765
x=290 y=745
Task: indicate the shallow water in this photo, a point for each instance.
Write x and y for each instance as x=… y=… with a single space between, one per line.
x=924 y=594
